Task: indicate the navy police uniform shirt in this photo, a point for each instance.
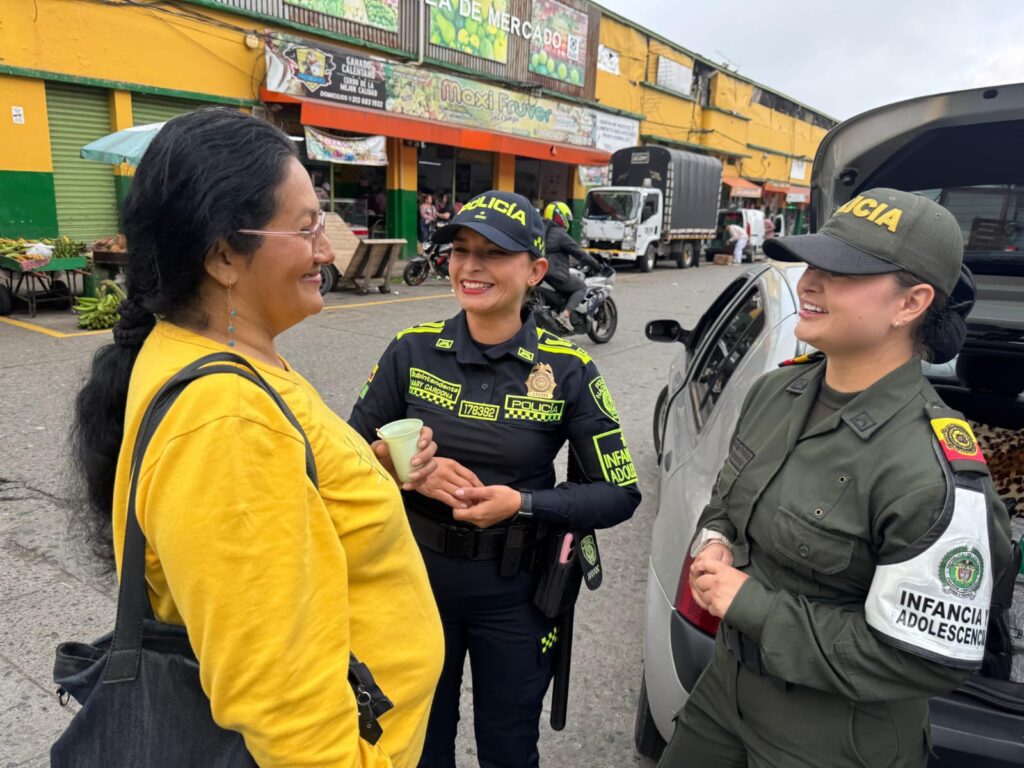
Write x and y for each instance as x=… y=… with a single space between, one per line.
x=504 y=412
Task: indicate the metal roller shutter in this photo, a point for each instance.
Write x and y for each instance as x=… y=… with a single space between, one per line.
x=84 y=189
x=148 y=109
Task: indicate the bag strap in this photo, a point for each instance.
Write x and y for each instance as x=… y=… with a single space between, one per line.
x=132 y=597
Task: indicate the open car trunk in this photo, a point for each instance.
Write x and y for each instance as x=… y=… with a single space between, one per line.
x=963 y=151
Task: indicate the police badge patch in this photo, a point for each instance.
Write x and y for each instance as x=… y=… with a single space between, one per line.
x=541 y=382
x=960 y=572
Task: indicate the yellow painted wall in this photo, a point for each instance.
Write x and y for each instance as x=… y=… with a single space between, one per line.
x=130 y=44
x=623 y=91
x=24 y=147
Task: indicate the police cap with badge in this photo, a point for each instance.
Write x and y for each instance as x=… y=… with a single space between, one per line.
x=932 y=599
x=505 y=218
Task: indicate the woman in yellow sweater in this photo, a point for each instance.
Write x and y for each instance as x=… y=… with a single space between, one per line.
x=274 y=578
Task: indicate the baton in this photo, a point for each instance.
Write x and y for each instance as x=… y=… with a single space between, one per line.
x=563 y=660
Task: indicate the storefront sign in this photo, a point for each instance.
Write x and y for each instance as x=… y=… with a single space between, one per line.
x=558 y=47
x=472 y=26
x=334 y=76
x=557 y=34
x=797 y=169
x=371 y=150
x=613 y=132
x=593 y=175
x=382 y=14
x=328 y=74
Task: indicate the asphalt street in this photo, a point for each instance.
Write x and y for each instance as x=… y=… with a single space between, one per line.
x=50 y=591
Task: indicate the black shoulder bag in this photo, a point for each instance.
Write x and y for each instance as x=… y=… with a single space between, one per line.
x=142 y=702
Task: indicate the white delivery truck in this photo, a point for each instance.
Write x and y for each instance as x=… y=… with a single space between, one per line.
x=662 y=203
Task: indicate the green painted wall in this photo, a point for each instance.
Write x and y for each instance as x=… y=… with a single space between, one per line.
x=122 y=185
x=28 y=205
x=403 y=218
x=577 y=219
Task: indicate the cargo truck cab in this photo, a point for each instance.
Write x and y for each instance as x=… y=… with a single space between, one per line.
x=663 y=205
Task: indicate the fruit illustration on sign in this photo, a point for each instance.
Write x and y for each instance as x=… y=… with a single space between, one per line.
x=559 y=41
x=467 y=27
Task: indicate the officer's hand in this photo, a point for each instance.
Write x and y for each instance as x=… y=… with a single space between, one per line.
x=717 y=587
x=713 y=551
x=488 y=506
x=446 y=480
x=423 y=462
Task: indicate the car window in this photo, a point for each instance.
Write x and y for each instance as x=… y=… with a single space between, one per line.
x=991 y=219
x=724 y=353
x=650 y=207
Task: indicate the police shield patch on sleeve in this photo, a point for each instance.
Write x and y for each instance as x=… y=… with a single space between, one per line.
x=934 y=602
x=603 y=398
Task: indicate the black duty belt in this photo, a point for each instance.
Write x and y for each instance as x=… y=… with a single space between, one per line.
x=748 y=653
x=465 y=542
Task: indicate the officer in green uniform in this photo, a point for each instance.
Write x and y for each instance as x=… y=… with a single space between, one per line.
x=853 y=536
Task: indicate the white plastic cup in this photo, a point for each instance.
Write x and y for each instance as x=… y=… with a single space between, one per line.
x=402 y=437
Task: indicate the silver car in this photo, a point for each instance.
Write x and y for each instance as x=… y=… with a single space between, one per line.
x=963 y=150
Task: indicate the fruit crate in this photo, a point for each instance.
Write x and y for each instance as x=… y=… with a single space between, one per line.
x=25 y=280
x=43 y=265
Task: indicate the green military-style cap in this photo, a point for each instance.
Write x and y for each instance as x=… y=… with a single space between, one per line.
x=882 y=230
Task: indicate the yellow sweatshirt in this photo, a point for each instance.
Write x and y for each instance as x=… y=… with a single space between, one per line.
x=275 y=581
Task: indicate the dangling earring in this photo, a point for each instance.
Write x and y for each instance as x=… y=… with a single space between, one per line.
x=232 y=314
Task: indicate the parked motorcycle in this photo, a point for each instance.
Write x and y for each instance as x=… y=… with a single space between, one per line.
x=433 y=259
x=596 y=315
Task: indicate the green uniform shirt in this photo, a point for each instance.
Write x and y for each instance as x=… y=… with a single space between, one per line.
x=811 y=510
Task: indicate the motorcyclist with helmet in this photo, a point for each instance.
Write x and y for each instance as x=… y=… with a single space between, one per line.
x=560 y=249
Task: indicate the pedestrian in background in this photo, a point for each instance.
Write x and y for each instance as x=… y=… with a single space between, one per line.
x=276 y=579
x=428 y=218
x=503 y=399
x=737 y=235
x=853 y=535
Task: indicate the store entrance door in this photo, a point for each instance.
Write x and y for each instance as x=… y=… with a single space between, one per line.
x=542 y=181
x=462 y=173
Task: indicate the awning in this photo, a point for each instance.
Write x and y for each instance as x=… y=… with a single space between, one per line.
x=345 y=118
x=741 y=187
x=793 y=194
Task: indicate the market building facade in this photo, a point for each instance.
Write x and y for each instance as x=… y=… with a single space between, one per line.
x=387 y=100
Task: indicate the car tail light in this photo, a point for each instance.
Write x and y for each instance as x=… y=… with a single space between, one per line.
x=748 y=229
x=688 y=607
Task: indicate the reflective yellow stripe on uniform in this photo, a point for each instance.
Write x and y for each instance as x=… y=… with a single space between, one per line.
x=574 y=351
x=422 y=328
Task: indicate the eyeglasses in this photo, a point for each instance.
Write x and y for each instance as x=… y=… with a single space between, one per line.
x=313 y=234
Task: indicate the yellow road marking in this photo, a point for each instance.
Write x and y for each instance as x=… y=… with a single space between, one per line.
x=48 y=331
x=387 y=301
x=61 y=335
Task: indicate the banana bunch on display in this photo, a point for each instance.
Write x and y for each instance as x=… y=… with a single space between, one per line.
x=100 y=312
x=66 y=248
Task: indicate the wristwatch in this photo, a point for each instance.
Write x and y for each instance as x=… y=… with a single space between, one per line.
x=525 y=513
x=707 y=536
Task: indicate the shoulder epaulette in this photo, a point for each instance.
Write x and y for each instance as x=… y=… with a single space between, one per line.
x=422 y=328
x=813 y=357
x=956 y=439
x=548 y=342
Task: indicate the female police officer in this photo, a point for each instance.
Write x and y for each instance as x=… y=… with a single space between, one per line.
x=502 y=398
x=852 y=537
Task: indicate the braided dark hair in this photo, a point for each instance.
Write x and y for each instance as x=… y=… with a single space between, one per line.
x=206 y=175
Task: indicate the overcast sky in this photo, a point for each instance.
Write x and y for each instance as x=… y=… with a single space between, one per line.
x=845 y=57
